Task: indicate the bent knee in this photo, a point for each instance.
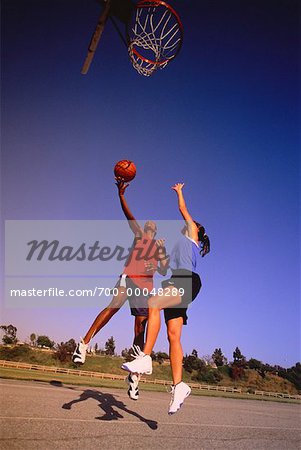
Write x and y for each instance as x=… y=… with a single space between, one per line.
x=140 y=325
x=173 y=335
x=152 y=303
x=117 y=301
x=115 y=304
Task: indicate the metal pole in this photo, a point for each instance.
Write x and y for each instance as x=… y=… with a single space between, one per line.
x=96 y=37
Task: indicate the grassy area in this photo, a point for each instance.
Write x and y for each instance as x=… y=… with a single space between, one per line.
x=64 y=379
x=104 y=364
x=251 y=381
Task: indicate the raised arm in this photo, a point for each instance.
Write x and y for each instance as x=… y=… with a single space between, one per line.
x=136 y=229
x=191 y=226
x=161 y=256
x=164 y=259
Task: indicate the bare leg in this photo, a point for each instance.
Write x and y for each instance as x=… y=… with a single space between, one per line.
x=139 y=330
x=174 y=331
x=153 y=328
x=106 y=314
x=155 y=304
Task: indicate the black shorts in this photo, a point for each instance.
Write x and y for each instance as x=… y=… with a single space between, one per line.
x=191 y=283
x=138 y=303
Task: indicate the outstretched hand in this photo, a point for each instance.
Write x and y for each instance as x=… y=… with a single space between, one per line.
x=160 y=243
x=178 y=187
x=120 y=183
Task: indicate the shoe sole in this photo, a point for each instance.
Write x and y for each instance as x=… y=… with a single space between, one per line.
x=75 y=361
x=187 y=395
x=124 y=367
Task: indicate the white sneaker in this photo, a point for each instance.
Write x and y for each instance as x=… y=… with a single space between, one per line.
x=141 y=364
x=178 y=394
x=79 y=355
x=133 y=381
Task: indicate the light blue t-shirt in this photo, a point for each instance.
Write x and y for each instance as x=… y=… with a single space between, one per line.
x=185 y=255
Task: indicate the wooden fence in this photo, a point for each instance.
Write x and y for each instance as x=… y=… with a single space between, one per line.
x=107 y=376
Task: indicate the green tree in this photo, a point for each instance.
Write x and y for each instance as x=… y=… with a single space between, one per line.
x=10 y=334
x=237 y=372
x=33 y=339
x=218 y=357
x=126 y=353
x=293 y=374
x=44 y=341
x=161 y=356
x=208 y=375
x=64 y=350
x=258 y=366
x=110 y=346
x=237 y=368
x=192 y=362
x=62 y=353
x=71 y=345
x=194 y=353
x=254 y=364
x=239 y=358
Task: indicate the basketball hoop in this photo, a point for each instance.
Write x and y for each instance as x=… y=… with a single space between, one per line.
x=155 y=36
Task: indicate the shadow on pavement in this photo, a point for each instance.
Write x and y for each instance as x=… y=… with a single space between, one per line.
x=107 y=402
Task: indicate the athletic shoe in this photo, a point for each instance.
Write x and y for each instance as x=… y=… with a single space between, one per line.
x=141 y=364
x=133 y=381
x=79 y=355
x=178 y=394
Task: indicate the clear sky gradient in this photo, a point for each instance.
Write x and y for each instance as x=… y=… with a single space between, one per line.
x=222 y=117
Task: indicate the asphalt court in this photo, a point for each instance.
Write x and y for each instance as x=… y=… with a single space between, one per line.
x=52 y=415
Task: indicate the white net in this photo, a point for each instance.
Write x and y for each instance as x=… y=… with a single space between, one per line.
x=155 y=36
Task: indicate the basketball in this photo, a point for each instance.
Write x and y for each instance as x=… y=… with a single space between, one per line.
x=125 y=169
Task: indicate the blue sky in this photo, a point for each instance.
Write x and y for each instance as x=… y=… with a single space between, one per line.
x=222 y=117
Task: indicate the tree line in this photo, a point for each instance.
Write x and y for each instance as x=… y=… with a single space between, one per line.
x=203 y=369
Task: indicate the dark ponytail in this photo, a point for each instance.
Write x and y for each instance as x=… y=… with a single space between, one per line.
x=203 y=239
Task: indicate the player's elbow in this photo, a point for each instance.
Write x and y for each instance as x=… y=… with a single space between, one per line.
x=163 y=271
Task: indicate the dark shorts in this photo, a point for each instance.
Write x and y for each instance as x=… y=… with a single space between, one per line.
x=191 y=283
x=138 y=303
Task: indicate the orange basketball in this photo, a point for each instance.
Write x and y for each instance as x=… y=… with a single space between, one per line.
x=125 y=169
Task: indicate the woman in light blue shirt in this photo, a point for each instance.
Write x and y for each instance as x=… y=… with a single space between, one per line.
x=180 y=290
